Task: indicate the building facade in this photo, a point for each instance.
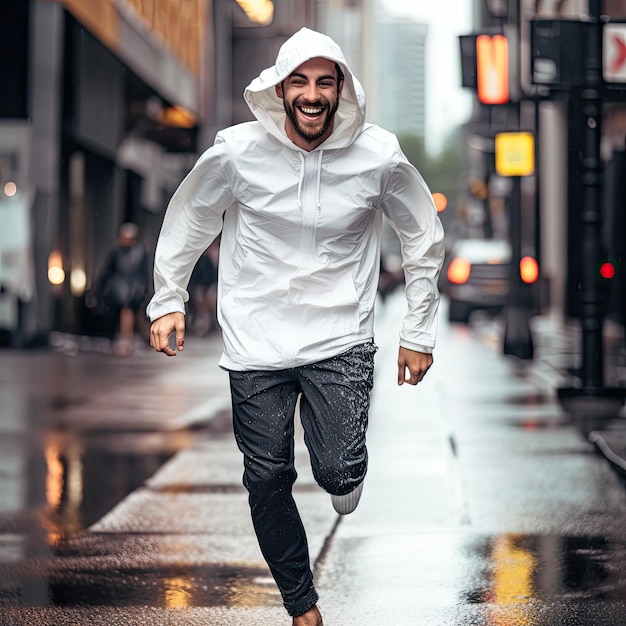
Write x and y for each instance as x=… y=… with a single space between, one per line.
x=111 y=103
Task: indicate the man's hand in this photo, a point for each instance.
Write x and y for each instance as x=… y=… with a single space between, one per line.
x=161 y=330
x=417 y=364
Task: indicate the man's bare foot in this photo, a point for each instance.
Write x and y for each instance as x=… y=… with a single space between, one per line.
x=311 y=618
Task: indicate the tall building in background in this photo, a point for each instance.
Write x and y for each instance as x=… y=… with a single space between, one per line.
x=242 y=48
x=351 y=24
x=401 y=75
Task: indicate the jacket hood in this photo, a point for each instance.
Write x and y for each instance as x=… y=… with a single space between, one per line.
x=267 y=107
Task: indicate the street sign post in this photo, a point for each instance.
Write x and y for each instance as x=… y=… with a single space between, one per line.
x=514 y=158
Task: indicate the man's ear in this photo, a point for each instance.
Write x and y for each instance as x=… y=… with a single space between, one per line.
x=340 y=89
x=279 y=90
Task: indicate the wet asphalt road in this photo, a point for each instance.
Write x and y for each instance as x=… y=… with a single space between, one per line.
x=121 y=501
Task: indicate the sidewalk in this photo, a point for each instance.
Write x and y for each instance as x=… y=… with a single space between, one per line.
x=557 y=360
x=476 y=459
x=190 y=516
x=467 y=472
x=146 y=390
x=558 y=351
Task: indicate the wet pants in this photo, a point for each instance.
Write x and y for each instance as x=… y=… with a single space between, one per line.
x=334 y=404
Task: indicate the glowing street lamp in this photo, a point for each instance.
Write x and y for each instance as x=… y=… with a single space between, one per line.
x=258 y=11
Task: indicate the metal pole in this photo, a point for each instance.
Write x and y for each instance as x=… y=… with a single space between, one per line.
x=489 y=170
x=517 y=339
x=592 y=403
x=538 y=180
x=590 y=297
x=517 y=335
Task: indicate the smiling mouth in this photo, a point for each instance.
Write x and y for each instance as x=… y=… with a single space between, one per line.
x=311 y=112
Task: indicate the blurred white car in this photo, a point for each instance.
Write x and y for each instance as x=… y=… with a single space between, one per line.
x=477 y=277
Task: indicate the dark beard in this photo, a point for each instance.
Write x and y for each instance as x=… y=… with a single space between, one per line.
x=303 y=132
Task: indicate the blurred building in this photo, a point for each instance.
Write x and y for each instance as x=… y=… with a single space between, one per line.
x=401 y=75
x=243 y=47
x=106 y=105
x=351 y=24
x=388 y=56
x=111 y=91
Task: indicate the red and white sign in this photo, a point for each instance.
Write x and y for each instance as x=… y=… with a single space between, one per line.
x=614 y=52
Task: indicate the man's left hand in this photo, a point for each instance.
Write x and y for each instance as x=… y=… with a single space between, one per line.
x=413 y=363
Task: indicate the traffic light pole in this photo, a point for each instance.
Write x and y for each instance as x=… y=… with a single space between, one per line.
x=592 y=399
x=590 y=298
x=517 y=335
x=517 y=339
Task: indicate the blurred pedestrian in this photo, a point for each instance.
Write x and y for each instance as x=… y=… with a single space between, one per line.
x=299 y=196
x=123 y=285
x=202 y=288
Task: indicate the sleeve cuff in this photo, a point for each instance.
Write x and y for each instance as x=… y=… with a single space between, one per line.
x=155 y=310
x=416 y=347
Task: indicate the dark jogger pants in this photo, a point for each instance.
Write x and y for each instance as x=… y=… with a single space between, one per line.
x=334 y=403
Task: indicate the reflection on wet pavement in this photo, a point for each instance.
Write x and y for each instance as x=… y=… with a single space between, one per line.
x=509 y=579
x=164 y=587
x=123 y=570
x=483 y=507
x=508 y=574
x=73 y=479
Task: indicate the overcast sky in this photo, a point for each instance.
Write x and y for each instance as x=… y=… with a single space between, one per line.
x=447 y=104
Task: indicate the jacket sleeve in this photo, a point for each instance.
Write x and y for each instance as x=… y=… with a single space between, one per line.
x=192 y=221
x=408 y=204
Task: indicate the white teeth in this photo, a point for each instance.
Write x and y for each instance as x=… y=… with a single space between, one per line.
x=311 y=111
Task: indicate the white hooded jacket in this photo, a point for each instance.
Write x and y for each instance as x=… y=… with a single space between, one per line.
x=300 y=247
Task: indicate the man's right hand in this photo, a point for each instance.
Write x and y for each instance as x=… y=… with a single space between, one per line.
x=161 y=330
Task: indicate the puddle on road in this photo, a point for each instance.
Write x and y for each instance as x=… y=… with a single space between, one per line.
x=508 y=577
x=166 y=588
x=57 y=486
x=500 y=580
x=521 y=569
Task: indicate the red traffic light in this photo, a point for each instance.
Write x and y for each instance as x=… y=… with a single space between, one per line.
x=607 y=270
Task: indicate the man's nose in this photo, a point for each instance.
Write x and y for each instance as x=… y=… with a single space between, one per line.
x=311 y=92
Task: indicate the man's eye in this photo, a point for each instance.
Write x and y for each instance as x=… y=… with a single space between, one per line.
x=326 y=84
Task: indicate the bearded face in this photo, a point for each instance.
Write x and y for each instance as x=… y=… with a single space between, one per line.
x=311 y=120
x=311 y=99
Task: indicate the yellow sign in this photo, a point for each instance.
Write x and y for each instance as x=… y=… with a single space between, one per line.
x=515 y=154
